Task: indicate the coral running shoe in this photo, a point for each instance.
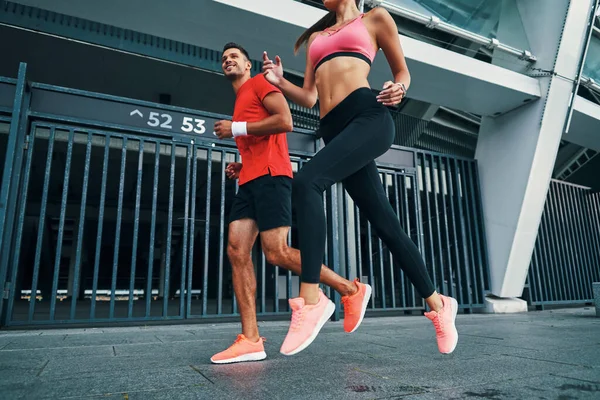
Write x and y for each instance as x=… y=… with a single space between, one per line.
x=355 y=306
x=444 y=323
x=241 y=350
x=307 y=321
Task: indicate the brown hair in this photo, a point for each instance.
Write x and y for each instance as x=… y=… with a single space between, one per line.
x=325 y=22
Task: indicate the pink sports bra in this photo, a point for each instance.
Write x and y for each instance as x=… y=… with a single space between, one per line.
x=351 y=40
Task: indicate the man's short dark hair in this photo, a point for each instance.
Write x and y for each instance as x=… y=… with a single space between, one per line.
x=232 y=45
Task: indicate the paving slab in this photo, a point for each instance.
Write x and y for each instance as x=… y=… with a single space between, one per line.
x=538 y=355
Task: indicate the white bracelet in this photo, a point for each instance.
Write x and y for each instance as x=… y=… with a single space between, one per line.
x=238 y=129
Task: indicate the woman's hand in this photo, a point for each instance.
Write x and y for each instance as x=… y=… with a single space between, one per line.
x=392 y=94
x=273 y=71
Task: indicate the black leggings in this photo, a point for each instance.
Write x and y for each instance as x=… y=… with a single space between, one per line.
x=355 y=132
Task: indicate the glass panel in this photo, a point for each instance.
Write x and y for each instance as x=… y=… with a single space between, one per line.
x=591 y=68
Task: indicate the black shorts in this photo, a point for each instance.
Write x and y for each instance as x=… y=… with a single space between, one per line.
x=266 y=200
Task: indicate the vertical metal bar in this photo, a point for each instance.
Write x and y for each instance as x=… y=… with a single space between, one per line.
x=476 y=291
x=391 y=264
x=539 y=291
x=575 y=257
x=438 y=215
x=532 y=276
x=586 y=241
x=569 y=283
x=235 y=306
x=550 y=250
x=86 y=175
x=288 y=278
x=370 y=258
x=406 y=226
x=186 y=218
x=136 y=227
x=263 y=267
x=192 y=231
x=221 y=234
x=100 y=226
x=117 y=243
x=554 y=235
x=41 y=223
x=567 y=271
x=20 y=224
x=580 y=242
x=17 y=126
x=408 y=230
x=380 y=248
x=465 y=228
x=326 y=258
x=397 y=180
x=578 y=252
x=358 y=244
x=476 y=226
x=209 y=161
x=446 y=230
x=428 y=168
x=169 y=233
x=333 y=260
x=61 y=226
x=346 y=235
x=586 y=238
x=152 y=244
x=481 y=218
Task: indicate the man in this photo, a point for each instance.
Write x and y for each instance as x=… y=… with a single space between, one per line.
x=262 y=204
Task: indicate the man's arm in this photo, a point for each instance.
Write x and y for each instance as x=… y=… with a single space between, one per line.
x=279 y=121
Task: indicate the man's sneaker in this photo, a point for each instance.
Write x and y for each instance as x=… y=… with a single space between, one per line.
x=355 y=306
x=307 y=321
x=445 y=329
x=241 y=350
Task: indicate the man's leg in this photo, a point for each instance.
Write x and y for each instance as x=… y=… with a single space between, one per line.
x=355 y=295
x=241 y=238
x=274 y=245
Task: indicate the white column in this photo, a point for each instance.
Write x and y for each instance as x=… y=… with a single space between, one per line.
x=516 y=151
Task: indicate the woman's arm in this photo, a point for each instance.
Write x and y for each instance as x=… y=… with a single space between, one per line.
x=306 y=95
x=388 y=40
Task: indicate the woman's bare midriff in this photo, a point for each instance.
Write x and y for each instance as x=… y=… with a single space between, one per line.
x=337 y=78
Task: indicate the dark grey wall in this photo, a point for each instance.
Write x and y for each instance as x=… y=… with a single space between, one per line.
x=76 y=65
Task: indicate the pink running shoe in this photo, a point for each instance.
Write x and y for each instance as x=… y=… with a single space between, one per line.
x=445 y=329
x=241 y=350
x=355 y=306
x=307 y=321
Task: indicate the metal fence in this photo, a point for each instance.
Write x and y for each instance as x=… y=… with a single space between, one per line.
x=117 y=211
x=566 y=259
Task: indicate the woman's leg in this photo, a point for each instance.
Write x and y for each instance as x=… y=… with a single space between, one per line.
x=366 y=190
x=361 y=141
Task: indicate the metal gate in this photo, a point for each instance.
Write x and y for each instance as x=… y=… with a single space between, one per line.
x=566 y=258
x=118 y=211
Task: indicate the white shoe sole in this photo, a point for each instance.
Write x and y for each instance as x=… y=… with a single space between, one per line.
x=454 y=306
x=261 y=355
x=329 y=309
x=366 y=299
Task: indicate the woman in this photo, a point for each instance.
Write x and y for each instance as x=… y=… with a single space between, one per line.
x=357 y=128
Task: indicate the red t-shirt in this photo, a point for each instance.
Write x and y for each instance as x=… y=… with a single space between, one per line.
x=261 y=155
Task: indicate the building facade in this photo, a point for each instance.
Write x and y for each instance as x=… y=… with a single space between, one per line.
x=114 y=202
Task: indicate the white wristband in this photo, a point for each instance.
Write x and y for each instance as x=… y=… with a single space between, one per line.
x=238 y=129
